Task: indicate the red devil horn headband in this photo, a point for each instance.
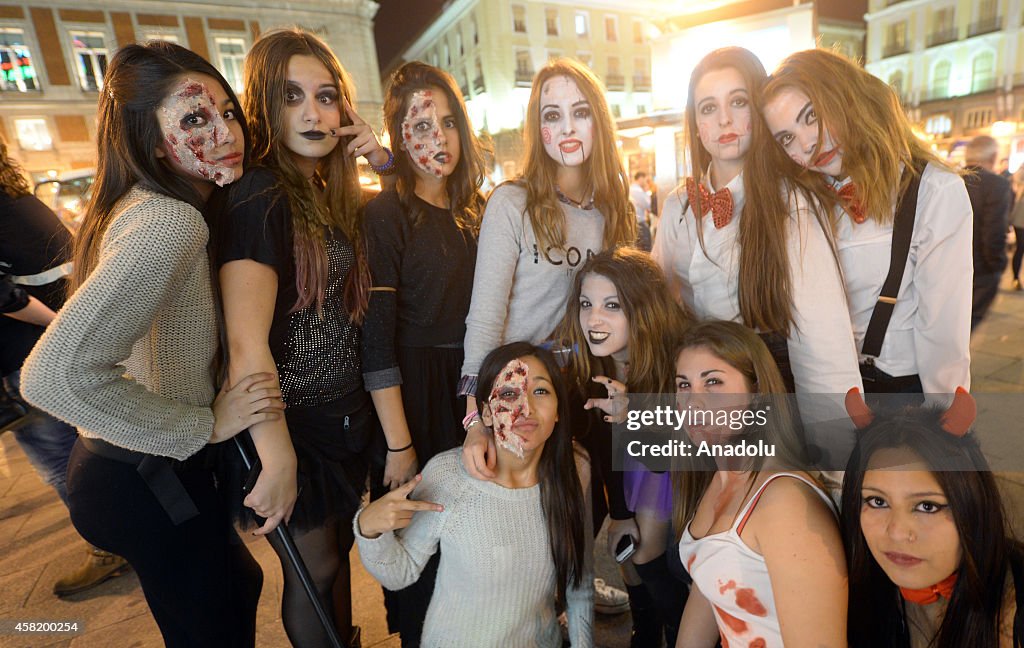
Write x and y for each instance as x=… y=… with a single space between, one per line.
x=956 y=420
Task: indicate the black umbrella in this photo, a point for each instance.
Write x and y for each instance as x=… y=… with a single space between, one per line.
x=285 y=537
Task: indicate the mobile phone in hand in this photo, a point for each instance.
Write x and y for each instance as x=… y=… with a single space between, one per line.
x=624 y=549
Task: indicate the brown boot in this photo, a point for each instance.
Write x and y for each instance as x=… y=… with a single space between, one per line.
x=99 y=566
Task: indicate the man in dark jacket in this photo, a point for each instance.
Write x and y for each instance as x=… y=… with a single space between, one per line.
x=991 y=199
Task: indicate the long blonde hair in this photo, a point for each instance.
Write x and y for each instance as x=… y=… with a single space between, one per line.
x=865 y=117
x=743 y=350
x=266 y=75
x=609 y=181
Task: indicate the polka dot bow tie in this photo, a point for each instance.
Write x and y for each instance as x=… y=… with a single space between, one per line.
x=850 y=199
x=718 y=203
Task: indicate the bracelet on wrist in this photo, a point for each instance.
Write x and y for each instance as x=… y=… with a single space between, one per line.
x=402 y=449
x=388 y=167
x=468 y=420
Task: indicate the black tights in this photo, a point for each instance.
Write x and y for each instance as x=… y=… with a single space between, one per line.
x=325 y=551
x=1018 y=251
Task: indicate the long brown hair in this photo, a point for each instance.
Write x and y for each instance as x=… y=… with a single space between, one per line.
x=656 y=321
x=12 y=177
x=561 y=494
x=463 y=185
x=864 y=117
x=743 y=350
x=609 y=181
x=138 y=79
x=765 y=285
x=266 y=75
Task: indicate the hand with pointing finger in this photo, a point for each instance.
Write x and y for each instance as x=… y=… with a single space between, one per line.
x=393 y=511
x=616 y=406
x=363 y=140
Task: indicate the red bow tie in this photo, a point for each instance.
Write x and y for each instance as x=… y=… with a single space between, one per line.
x=718 y=203
x=850 y=199
x=931 y=594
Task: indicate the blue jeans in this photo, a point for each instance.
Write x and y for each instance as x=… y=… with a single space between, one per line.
x=46 y=441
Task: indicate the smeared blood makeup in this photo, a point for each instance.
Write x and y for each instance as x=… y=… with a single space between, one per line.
x=196 y=133
x=508 y=403
x=422 y=134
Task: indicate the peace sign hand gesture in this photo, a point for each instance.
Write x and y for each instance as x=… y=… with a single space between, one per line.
x=364 y=141
x=616 y=405
x=393 y=511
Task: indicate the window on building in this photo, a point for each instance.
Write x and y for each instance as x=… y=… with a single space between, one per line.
x=585 y=58
x=582 y=23
x=16 y=71
x=613 y=79
x=942 y=20
x=983 y=72
x=614 y=65
x=433 y=59
x=638 y=32
x=90 y=58
x=479 y=86
x=553 y=54
x=641 y=109
x=896 y=83
x=167 y=38
x=641 y=74
x=938 y=125
x=611 y=28
x=447 y=55
x=616 y=110
x=458 y=44
x=519 y=19
x=523 y=62
x=978 y=118
x=33 y=134
x=231 y=54
x=476 y=32
x=988 y=10
x=896 y=37
x=940 y=80
x=551 y=21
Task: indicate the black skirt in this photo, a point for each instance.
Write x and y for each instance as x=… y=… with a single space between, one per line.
x=331 y=447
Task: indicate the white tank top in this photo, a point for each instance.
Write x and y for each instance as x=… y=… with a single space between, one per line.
x=734 y=578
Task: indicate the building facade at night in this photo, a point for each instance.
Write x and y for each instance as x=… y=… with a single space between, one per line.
x=494 y=47
x=53 y=56
x=958 y=66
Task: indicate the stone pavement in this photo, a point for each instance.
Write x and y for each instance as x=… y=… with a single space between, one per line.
x=38 y=543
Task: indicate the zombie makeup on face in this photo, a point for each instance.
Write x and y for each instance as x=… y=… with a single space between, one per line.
x=423 y=134
x=508 y=403
x=566 y=122
x=194 y=129
x=723 y=114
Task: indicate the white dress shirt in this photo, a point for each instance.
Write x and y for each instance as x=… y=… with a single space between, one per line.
x=821 y=344
x=930 y=330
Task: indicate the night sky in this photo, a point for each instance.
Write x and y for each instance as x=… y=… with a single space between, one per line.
x=398 y=22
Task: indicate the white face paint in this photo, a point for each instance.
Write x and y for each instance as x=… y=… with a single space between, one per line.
x=508 y=403
x=723 y=116
x=202 y=137
x=791 y=117
x=430 y=134
x=566 y=122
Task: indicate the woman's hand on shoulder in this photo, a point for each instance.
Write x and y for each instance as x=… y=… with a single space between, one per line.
x=254 y=399
x=400 y=467
x=393 y=511
x=616 y=406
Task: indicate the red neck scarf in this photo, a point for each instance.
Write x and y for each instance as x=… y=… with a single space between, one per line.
x=929 y=595
x=849 y=197
x=718 y=203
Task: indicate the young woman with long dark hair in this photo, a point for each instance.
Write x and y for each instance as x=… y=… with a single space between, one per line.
x=128 y=359
x=294 y=284
x=621 y=325
x=931 y=559
x=421 y=247
x=514 y=550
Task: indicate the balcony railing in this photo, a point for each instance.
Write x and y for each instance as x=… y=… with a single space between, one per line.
x=889 y=3
x=895 y=49
x=942 y=37
x=615 y=81
x=985 y=26
x=524 y=78
x=986 y=85
x=641 y=83
x=935 y=94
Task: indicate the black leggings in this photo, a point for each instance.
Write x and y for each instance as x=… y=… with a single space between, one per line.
x=200 y=581
x=1018 y=251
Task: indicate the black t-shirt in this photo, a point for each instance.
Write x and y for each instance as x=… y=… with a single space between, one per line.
x=429 y=261
x=317 y=355
x=32 y=241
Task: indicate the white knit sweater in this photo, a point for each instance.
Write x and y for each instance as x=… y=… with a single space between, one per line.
x=496 y=581
x=128 y=358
